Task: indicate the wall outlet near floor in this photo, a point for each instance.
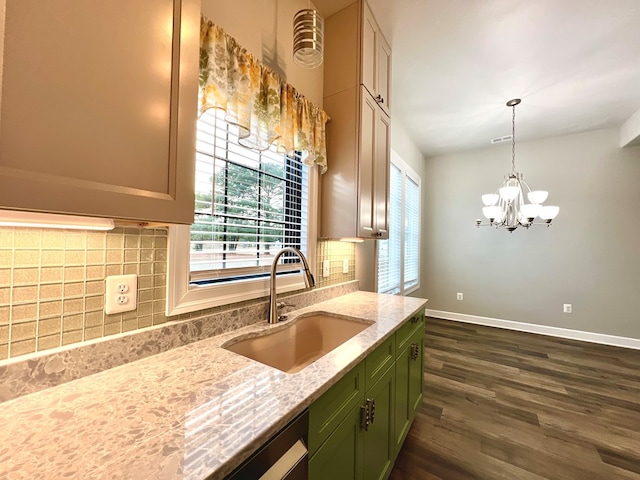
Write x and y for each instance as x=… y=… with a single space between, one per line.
x=121 y=293
x=567 y=308
x=345 y=265
x=459 y=296
x=326 y=268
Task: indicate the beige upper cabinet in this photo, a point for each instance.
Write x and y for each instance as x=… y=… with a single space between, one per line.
x=355 y=189
x=98 y=108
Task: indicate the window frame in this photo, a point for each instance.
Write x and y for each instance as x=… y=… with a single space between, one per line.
x=184 y=297
x=406 y=172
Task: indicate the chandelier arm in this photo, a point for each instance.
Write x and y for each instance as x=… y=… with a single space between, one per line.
x=525 y=184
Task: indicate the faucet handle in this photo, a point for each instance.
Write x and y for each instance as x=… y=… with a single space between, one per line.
x=281 y=305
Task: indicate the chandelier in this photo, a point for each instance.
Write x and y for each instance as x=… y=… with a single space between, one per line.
x=507 y=207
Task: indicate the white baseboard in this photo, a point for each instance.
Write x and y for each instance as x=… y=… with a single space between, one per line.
x=540 y=329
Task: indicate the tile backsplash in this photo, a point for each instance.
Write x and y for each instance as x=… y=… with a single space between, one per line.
x=52 y=283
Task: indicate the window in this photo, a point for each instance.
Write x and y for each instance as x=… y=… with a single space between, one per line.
x=249 y=205
x=399 y=256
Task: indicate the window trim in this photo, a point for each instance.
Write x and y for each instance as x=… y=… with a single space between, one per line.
x=415 y=178
x=406 y=172
x=182 y=297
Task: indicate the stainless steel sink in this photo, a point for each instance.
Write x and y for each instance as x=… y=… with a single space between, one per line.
x=302 y=342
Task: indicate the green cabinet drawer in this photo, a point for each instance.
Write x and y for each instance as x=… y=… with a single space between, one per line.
x=326 y=413
x=406 y=332
x=379 y=361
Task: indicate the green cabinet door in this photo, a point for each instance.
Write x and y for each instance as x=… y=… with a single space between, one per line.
x=409 y=382
x=416 y=374
x=379 y=445
x=340 y=457
x=403 y=411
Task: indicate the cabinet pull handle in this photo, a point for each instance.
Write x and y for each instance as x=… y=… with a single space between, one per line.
x=365 y=415
x=415 y=319
x=373 y=410
x=415 y=351
x=379 y=99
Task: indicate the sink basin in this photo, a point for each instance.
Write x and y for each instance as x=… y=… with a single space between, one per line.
x=300 y=343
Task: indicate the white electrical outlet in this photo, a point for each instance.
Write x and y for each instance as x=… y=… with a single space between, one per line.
x=345 y=265
x=567 y=308
x=326 y=268
x=121 y=293
x=459 y=296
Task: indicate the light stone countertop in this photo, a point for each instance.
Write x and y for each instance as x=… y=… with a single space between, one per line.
x=194 y=412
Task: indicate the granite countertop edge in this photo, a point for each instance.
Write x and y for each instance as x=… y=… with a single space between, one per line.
x=195 y=412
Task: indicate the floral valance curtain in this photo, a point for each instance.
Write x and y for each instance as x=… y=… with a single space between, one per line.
x=266 y=109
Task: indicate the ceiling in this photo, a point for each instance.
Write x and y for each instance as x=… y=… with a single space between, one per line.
x=574 y=63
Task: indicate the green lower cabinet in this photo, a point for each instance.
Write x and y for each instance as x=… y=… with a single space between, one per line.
x=356 y=428
x=340 y=456
x=358 y=449
x=379 y=445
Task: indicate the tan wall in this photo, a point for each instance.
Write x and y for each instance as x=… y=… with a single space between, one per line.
x=589 y=257
x=265 y=29
x=52 y=283
x=3 y=6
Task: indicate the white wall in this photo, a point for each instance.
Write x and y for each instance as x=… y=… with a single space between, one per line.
x=265 y=29
x=589 y=257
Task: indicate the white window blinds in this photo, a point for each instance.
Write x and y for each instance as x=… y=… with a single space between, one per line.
x=399 y=256
x=249 y=204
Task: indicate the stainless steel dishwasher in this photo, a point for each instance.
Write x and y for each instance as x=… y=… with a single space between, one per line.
x=284 y=456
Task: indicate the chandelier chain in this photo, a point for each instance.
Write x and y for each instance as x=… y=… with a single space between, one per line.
x=513 y=140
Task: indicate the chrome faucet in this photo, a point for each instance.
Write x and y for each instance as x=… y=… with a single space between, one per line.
x=308 y=280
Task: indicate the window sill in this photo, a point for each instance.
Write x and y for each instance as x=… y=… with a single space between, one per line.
x=182 y=297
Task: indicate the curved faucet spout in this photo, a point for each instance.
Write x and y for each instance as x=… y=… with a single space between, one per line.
x=308 y=279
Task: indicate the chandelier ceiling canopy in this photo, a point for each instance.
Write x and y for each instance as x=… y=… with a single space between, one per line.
x=506 y=207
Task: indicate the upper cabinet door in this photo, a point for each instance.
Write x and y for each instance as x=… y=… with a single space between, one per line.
x=376 y=61
x=367 y=167
x=382 y=160
x=98 y=108
x=384 y=74
x=369 y=51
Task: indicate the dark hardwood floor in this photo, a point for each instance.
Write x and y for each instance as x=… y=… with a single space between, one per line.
x=507 y=405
